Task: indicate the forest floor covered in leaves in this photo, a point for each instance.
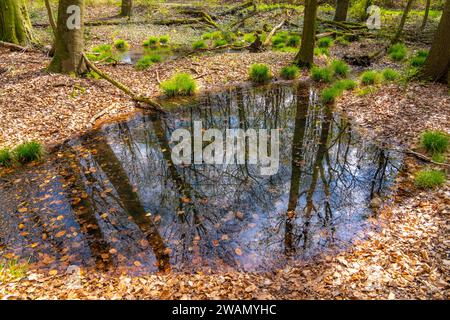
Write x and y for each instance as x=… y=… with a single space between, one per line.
x=406 y=259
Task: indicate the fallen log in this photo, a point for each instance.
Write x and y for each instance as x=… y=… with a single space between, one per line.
x=13 y=46
x=238 y=8
x=153 y=105
x=270 y=35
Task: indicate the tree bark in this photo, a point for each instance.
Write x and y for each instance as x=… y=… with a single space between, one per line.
x=15 y=24
x=425 y=16
x=69 y=42
x=341 y=10
x=305 y=56
x=127 y=8
x=402 y=22
x=436 y=67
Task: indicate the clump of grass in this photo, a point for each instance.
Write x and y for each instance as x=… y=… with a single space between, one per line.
x=419 y=59
x=340 y=68
x=290 y=72
x=321 y=74
x=293 y=41
x=341 y=40
x=146 y=61
x=200 y=44
x=103 y=52
x=207 y=36
x=398 y=52
x=330 y=94
x=28 y=151
x=345 y=84
x=439 y=158
x=435 y=141
x=249 y=37
x=321 y=51
x=220 y=43
x=259 y=73
x=181 y=84
x=151 y=42
x=164 y=40
x=428 y=178
x=121 y=45
x=6 y=157
x=390 y=74
x=325 y=42
x=12 y=269
x=365 y=91
x=280 y=39
x=370 y=78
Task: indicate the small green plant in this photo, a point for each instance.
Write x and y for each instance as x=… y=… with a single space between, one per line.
x=419 y=59
x=207 y=36
x=321 y=51
x=181 y=84
x=340 y=68
x=164 y=40
x=361 y=92
x=345 y=84
x=398 y=52
x=330 y=94
x=439 y=158
x=249 y=37
x=293 y=41
x=390 y=74
x=200 y=44
x=341 y=40
x=103 y=52
x=370 y=78
x=121 y=45
x=5 y=157
x=12 y=269
x=321 y=74
x=325 y=42
x=146 y=61
x=259 y=73
x=429 y=178
x=220 y=43
x=435 y=141
x=280 y=39
x=28 y=151
x=290 y=72
x=151 y=42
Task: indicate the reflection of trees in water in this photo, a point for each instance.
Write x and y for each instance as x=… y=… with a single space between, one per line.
x=319 y=197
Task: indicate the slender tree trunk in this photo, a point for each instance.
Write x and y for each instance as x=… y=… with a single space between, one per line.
x=402 y=22
x=425 y=16
x=305 y=56
x=127 y=8
x=341 y=10
x=437 y=65
x=69 y=42
x=15 y=24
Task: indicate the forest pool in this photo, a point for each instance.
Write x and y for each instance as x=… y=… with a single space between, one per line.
x=113 y=200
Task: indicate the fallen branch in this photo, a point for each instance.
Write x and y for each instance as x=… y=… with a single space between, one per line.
x=270 y=35
x=238 y=8
x=424 y=157
x=138 y=98
x=13 y=46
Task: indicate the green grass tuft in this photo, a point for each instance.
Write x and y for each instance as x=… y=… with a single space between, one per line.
x=151 y=42
x=419 y=59
x=28 y=151
x=340 y=68
x=200 y=44
x=398 y=52
x=390 y=74
x=293 y=41
x=146 y=61
x=435 y=141
x=290 y=72
x=249 y=37
x=259 y=73
x=121 y=45
x=439 y=158
x=220 y=43
x=6 y=157
x=345 y=84
x=321 y=74
x=326 y=42
x=330 y=94
x=164 y=40
x=321 y=51
x=181 y=84
x=370 y=78
x=428 y=178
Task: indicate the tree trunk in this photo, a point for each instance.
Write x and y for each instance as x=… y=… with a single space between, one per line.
x=15 y=24
x=341 y=10
x=402 y=22
x=436 y=67
x=69 y=42
x=305 y=56
x=127 y=8
x=425 y=16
